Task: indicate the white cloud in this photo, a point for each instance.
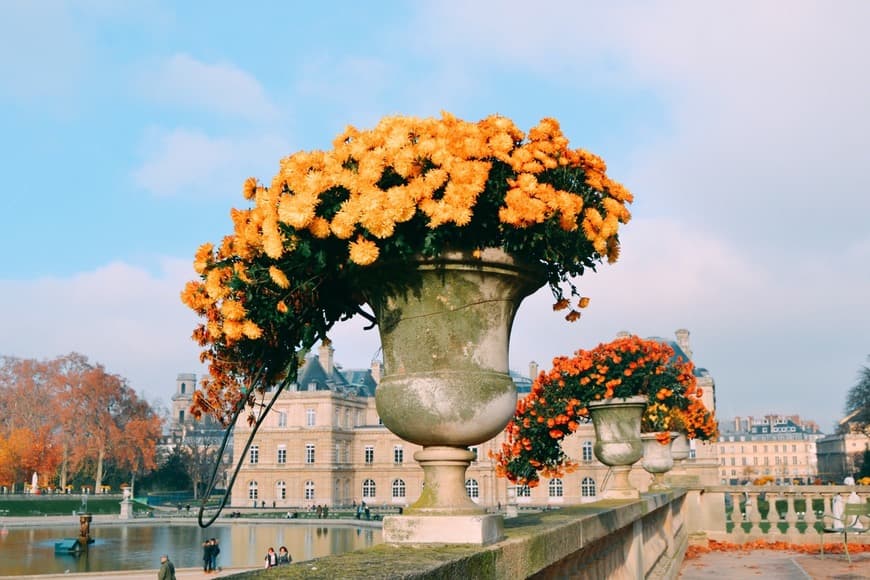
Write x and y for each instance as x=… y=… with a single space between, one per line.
x=119 y=315
x=188 y=161
x=220 y=88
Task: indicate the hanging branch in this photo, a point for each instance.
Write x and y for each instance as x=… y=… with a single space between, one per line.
x=290 y=377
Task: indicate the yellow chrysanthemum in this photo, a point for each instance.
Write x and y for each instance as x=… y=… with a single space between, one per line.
x=204 y=257
x=232 y=310
x=249 y=189
x=278 y=277
x=363 y=252
x=251 y=330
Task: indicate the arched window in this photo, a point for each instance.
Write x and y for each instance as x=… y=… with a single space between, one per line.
x=587 y=487
x=556 y=487
x=587 y=451
x=309 y=489
x=398 y=488
x=472 y=488
x=253 y=492
x=280 y=490
x=369 y=488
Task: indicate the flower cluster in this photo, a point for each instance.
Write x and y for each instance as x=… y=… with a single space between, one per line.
x=557 y=404
x=305 y=255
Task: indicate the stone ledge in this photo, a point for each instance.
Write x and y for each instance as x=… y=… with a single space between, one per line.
x=533 y=544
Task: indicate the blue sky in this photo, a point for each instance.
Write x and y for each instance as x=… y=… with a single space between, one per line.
x=128 y=128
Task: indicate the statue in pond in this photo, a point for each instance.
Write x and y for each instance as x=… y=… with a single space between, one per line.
x=84 y=531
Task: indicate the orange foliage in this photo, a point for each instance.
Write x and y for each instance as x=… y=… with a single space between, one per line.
x=716 y=546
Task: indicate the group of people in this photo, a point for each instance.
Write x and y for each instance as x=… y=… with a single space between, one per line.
x=282 y=557
x=210 y=551
x=362 y=509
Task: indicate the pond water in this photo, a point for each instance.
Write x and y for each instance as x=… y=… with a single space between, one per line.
x=138 y=547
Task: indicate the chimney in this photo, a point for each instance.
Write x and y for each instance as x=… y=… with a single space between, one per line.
x=325 y=354
x=683 y=341
x=533 y=370
x=377 y=371
x=623 y=334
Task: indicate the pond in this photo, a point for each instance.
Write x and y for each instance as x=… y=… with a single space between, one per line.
x=28 y=551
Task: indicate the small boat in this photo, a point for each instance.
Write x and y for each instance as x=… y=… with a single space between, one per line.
x=69 y=546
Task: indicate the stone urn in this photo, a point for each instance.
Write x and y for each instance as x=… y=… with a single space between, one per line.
x=617 y=441
x=680 y=447
x=657 y=459
x=445 y=340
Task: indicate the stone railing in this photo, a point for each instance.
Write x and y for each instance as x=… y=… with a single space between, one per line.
x=645 y=538
x=742 y=514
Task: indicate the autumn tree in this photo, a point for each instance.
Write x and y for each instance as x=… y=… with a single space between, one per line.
x=69 y=417
x=104 y=420
x=135 y=450
x=29 y=436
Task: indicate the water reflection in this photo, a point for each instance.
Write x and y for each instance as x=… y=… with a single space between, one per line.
x=138 y=547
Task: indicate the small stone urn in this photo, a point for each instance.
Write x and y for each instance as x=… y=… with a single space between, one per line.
x=657 y=458
x=617 y=441
x=446 y=385
x=680 y=447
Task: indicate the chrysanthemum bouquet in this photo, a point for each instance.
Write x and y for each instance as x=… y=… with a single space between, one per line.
x=558 y=402
x=334 y=225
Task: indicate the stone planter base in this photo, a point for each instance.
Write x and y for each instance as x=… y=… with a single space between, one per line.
x=478 y=530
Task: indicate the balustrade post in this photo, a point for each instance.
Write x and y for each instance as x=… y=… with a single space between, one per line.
x=736 y=514
x=809 y=513
x=826 y=507
x=773 y=514
x=790 y=514
x=753 y=514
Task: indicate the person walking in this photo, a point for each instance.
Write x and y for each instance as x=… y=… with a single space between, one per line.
x=167 y=569
x=284 y=556
x=271 y=558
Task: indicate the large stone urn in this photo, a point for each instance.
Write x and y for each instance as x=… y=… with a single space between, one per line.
x=657 y=459
x=617 y=441
x=446 y=385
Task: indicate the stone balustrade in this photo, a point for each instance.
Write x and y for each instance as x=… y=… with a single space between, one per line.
x=740 y=514
x=640 y=538
x=644 y=538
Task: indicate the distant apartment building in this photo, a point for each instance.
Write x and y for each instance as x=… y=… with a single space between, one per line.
x=324 y=444
x=777 y=446
x=842 y=455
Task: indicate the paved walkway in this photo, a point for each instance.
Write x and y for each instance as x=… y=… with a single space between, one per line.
x=775 y=565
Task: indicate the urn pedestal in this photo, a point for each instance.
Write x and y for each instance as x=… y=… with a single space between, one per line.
x=617 y=441
x=446 y=385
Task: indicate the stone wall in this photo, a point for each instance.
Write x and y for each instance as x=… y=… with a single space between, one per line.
x=644 y=538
